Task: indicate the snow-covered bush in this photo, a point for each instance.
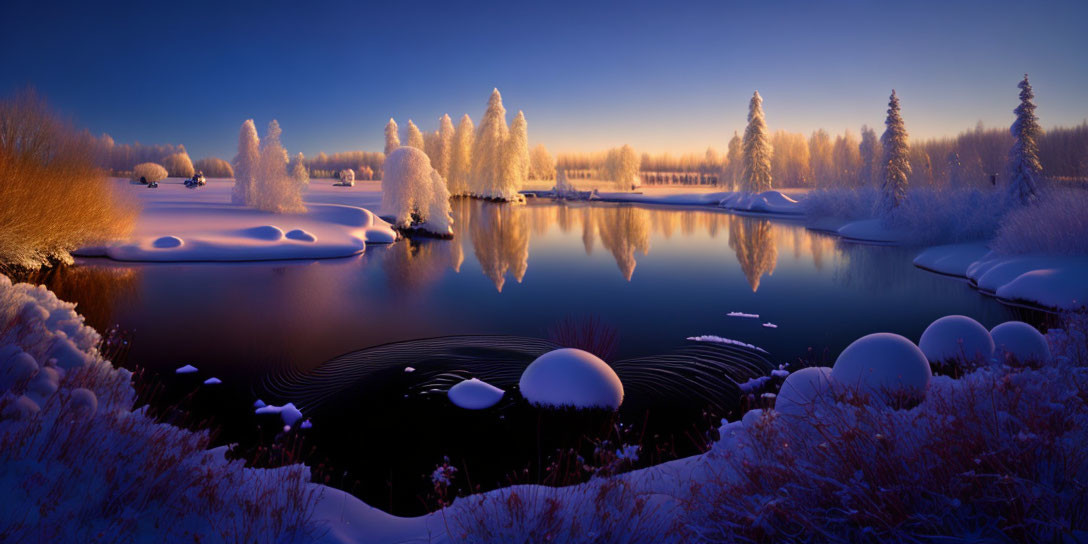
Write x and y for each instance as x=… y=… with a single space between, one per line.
x=883 y=366
x=214 y=168
x=149 y=172
x=802 y=389
x=571 y=377
x=956 y=339
x=179 y=165
x=414 y=194
x=840 y=203
x=299 y=173
x=931 y=217
x=68 y=418
x=53 y=197
x=541 y=163
x=1020 y=342
x=1055 y=223
x=347 y=177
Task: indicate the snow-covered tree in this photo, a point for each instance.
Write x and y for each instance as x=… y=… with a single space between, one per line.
x=414 y=194
x=214 y=167
x=274 y=190
x=245 y=164
x=541 y=163
x=515 y=157
x=149 y=172
x=756 y=164
x=179 y=164
x=563 y=186
x=415 y=137
x=819 y=159
x=790 y=160
x=895 y=163
x=732 y=162
x=487 y=149
x=621 y=165
x=1023 y=167
x=461 y=157
x=446 y=134
x=846 y=160
x=299 y=173
x=392 y=138
x=870 y=156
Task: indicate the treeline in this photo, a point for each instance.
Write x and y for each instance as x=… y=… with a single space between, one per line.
x=366 y=164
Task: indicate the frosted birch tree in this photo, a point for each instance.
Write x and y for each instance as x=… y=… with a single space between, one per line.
x=245 y=164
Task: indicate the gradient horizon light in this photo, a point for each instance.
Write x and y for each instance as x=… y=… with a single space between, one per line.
x=589 y=76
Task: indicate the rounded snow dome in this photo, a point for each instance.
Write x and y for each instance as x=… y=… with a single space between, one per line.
x=956 y=338
x=883 y=364
x=801 y=389
x=1021 y=341
x=474 y=394
x=571 y=377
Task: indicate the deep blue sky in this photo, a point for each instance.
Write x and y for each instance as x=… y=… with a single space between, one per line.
x=662 y=76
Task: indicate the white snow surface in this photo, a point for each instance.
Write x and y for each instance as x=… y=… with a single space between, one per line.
x=187 y=369
x=181 y=224
x=742 y=314
x=956 y=338
x=767 y=202
x=474 y=394
x=571 y=377
x=722 y=340
x=883 y=365
x=872 y=231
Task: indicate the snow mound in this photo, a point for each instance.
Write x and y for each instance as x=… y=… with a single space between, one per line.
x=300 y=235
x=769 y=325
x=187 y=369
x=83 y=402
x=768 y=202
x=268 y=233
x=16 y=366
x=288 y=413
x=213 y=381
x=474 y=394
x=721 y=340
x=571 y=377
x=167 y=242
x=956 y=338
x=951 y=259
x=744 y=315
x=885 y=365
x=801 y=389
x=1020 y=340
x=872 y=231
x=1064 y=287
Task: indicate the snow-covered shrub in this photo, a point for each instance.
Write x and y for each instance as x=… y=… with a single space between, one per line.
x=299 y=173
x=1020 y=342
x=571 y=377
x=885 y=366
x=931 y=217
x=213 y=167
x=1055 y=223
x=149 y=172
x=414 y=193
x=138 y=480
x=840 y=203
x=802 y=389
x=956 y=339
x=53 y=197
x=541 y=163
x=179 y=165
x=621 y=166
x=347 y=177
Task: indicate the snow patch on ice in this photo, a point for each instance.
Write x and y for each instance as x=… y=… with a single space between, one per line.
x=187 y=369
x=722 y=340
x=742 y=314
x=474 y=394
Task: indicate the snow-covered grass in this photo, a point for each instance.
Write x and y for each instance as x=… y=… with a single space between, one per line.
x=1056 y=224
x=53 y=197
x=930 y=217
x=79 y=465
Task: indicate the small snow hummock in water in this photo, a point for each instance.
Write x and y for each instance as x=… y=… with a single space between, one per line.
x=721 y=340
x=742 y=314
x=259 y=404
x=213 y=381
x=571 y=377
x=770 y=325
x=306 y=425
x=288 y=413
x=187 y=369
x=754 y=384
x=409 y=369
x=474 y=394
x=780 y=372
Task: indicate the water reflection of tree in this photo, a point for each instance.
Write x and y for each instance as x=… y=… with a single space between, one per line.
x=94 y=289
x=753 y=242
x=411 y=265
x=500 y=239
x=624 y=231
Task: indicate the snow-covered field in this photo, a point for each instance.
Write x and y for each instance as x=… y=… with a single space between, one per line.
x=181 y=224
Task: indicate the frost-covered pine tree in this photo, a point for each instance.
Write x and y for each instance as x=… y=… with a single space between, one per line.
x=245 y=164
x=756 y=168
x=487 y=149
x=392 y=138
x=732 y=162
x=415 y=137
x=461 y=157
x=299 y=173
x=515 y=158
x=274 y=189
x=895 y=162
x=444 y=152
x=870 y=156
x=1023 y=167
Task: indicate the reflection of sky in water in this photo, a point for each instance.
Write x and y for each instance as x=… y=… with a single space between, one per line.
x=656 y=275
